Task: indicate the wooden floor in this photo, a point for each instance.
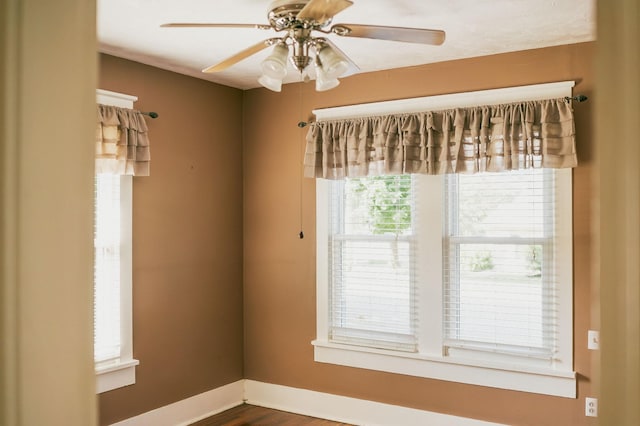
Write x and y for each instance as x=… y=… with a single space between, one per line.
x=251 y=415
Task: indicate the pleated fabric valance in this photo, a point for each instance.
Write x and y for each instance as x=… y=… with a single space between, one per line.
x=490 y=138
x=122 y=143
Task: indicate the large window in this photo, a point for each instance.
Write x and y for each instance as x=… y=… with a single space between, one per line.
x=464 y=278
x=113 y=347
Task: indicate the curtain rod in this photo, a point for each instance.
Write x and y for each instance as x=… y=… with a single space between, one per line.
x=577 y=98
x=150 y=114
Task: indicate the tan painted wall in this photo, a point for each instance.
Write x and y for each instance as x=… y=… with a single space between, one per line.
x=187 y=239
x=46 y=226
x=279 y=268
x=617 y=269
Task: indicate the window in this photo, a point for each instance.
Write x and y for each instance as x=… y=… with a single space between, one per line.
x=464 y=278
x=372 y=268
x=500 y=270
x=113 y=350
x=107 y=268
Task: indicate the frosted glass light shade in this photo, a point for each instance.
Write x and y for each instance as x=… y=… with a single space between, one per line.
x=275 y=65
x=333 y=64
x=322 y=82
x=271 y=83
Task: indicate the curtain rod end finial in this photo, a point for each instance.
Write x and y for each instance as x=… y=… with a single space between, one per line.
x=577 y=98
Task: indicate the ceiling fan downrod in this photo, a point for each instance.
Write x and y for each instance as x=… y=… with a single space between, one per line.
x=301 y=39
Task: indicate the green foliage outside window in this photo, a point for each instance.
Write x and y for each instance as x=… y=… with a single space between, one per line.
x=388 y=201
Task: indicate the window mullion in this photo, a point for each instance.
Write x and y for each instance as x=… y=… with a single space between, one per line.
x=429 y=260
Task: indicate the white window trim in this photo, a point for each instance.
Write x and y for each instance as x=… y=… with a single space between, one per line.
x=121 y=372
x=431 y=362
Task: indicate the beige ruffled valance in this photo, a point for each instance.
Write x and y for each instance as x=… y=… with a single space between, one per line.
x=122 y=143
x=490 y=138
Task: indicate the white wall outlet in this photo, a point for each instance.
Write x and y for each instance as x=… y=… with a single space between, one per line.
x=593 y=340
x=591 y=407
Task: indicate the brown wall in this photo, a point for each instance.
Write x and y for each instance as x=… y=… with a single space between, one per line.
x=279 y=268
x=187 y=240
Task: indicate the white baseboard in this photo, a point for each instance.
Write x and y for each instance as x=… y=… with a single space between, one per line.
x=294 y=400
x=345 y=409
x=192 y=409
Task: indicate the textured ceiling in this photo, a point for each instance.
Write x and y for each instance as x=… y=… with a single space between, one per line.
x=131 y=29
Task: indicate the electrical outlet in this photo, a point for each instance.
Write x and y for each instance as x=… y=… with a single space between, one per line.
x=591 y=407
x=593 y=340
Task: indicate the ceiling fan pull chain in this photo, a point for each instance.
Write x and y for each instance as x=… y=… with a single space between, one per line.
x=301 y=125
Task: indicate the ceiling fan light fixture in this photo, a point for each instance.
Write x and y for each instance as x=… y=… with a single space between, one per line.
x=271 y=83
x=275 y=65
x=333 y=63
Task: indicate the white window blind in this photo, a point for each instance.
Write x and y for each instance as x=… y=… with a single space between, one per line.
x=107 y=241
x=372 y=262
x=499 y=269
x=113 y=348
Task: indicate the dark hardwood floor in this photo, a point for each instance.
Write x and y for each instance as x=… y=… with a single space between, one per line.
x=251 y=415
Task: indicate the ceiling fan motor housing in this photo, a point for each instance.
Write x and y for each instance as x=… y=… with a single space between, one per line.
x=283 y=15
x=300 y=57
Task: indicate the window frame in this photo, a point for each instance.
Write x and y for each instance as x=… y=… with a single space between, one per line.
x=121 y=372
x=432 y=361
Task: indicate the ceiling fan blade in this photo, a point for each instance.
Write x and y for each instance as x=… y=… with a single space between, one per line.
x=322 y=10
x=208 y=25
x=241 y=55
x=408 y=35
x=353 y=67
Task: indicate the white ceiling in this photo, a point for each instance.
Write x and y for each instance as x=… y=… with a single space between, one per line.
x=131 y=29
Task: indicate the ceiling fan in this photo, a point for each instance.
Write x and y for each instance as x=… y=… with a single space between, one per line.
x=299 y=19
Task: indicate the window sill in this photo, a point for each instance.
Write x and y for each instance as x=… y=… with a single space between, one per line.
x=116 y=374
x=535 y=380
